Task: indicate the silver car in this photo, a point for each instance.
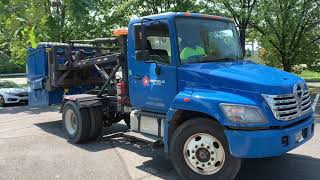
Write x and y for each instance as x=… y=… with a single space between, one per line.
x=11 y=93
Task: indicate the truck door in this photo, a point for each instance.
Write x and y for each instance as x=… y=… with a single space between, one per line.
x=153 y=82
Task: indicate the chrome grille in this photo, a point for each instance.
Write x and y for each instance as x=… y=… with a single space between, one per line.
x=289 y=106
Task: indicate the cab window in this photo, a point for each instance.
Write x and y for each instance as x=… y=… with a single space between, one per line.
x=158 y=41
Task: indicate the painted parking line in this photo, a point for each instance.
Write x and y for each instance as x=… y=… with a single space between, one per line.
x=315 y=102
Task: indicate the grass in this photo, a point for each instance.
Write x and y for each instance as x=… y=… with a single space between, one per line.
x=310 y=75
x=314 y=90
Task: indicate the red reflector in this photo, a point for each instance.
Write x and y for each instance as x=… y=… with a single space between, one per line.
x=186 y=99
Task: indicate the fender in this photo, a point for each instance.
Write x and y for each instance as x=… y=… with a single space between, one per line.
x=82 y=100
x=203 y=101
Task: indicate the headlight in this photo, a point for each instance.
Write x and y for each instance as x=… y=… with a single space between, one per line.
x=243 y=114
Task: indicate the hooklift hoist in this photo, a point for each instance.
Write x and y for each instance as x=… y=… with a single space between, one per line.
x=100 y=107
x=180 y=79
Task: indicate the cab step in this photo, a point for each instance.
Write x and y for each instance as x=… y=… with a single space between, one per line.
x=142 y=137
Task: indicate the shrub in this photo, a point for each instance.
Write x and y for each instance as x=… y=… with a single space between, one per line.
x=297 y=69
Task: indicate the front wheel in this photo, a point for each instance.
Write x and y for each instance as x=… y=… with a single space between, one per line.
x=2 y=102
x=199 y=150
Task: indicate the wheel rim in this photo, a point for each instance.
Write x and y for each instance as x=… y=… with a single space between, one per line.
x=71 y=122
x=204 y=154
x=1 y=100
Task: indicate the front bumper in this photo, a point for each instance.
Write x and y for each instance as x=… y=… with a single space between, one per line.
x=268 y=143
x=8 y=99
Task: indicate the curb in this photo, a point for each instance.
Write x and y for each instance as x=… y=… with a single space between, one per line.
x=312 y=81
x=13 y=75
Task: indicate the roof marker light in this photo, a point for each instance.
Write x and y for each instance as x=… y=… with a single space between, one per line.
x=216 y=17
x=120 y=32
x=187 y=14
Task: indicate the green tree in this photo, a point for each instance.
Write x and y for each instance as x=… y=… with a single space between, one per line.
x=26 y=22
x=290 y=31
x=242 y=11
x=22 y=24
x=148 y=7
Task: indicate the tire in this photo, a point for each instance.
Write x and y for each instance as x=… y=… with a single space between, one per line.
x=127 y=121
x=96 y=118
x=2 y=103
x=225 y=170
x=81 y=131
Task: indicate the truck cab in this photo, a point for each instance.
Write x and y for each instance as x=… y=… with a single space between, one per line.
x=189 y=87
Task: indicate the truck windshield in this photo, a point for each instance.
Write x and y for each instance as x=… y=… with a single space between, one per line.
x=205 y=40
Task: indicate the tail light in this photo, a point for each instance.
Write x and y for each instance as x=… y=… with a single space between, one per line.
x=121 y=92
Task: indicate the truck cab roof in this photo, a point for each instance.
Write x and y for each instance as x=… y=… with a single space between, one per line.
x=172 y=15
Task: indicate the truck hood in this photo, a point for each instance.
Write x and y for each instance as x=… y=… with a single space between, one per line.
x=239 y=75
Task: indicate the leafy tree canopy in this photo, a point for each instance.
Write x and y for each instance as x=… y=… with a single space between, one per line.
x=287 y=29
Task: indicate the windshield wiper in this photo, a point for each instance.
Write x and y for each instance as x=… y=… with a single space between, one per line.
x=195 y=59
x=224 y=59
x=204 y=59
x=214 y=59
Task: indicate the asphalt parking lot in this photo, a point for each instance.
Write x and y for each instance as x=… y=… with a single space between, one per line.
x=33 y=146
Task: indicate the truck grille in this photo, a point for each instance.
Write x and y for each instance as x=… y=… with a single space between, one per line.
x=289 y=106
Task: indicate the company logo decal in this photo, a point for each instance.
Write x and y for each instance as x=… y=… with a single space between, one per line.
x=298 y=92
x=146 y=81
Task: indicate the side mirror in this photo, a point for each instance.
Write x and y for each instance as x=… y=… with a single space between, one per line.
x=141 y=34
x=142 y=55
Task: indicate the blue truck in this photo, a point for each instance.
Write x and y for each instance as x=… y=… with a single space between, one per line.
x=180 y=80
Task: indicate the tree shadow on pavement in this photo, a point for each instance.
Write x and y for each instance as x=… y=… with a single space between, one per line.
x=288 y=166
x=52 y=127
x=158 y=165
x=110 y=138
x=55 y=128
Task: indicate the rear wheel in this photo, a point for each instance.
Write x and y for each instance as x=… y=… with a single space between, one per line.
x=2 y=103
x=96 y=118
x=199 y=150
x=76 y=122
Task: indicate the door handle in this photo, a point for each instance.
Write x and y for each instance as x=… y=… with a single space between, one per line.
x=137 y=77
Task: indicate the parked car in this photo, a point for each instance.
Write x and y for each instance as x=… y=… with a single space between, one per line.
x=11 y=92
